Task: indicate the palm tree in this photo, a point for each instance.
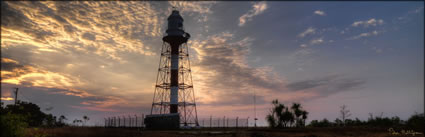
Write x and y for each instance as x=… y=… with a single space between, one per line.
x=304 y=116
x=288 y=118
x=62 y=119
x=271 y=119
x=296 y=108
x=86 y=119
x=281 y=116
x=76 y=121
x=277 y=112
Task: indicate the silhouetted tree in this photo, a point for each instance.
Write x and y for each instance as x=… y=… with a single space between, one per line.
x=297 y=112
x=304 y=116
x=86 y=118
x=281 y=116
x=12 y=125
x=49 y=120
x=61 y=121
x=300 y=115
x=32 y=113
x=345 y=113
x=77 y=121
x=338 y=122
x=416 y=122
x=322 y=123
x=271 y=120
x=288 y=118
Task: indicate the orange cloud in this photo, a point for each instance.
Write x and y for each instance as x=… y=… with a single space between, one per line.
x=7 y=98
x=17 y=74
x=95 y=109
x=53 y=26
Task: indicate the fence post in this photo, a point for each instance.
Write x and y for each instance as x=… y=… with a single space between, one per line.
x=210 y=121
x=247 y=122
x=129 y=121
x=227 y=125
x=119 y=121
x=237 y=118
x=218 y=122
x=109 y=121
x=143 y=120
x=136 y=119
x=224 y=122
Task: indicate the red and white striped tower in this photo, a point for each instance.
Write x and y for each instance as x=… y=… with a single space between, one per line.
x=174 y=89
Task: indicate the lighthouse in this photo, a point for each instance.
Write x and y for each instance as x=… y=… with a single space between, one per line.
x=174 y=95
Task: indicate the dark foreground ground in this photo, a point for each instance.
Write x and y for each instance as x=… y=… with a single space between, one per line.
x=216 y=132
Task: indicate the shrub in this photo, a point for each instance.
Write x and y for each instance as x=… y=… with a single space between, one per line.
x=13 y=125
x=416 y=122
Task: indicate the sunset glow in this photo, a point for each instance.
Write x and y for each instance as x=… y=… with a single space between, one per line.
x=100 y=58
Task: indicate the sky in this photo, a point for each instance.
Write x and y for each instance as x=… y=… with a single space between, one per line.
x=100 y=59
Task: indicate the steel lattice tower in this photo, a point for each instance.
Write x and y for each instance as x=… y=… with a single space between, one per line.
x=174 y=91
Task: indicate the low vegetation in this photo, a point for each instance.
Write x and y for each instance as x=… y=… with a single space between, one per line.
x=17 y=118
x=281 y=116
x=26 y=120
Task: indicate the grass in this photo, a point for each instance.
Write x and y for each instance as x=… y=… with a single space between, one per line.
x=212 y=132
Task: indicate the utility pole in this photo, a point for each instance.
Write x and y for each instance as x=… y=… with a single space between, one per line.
x=16 y=95
x=255 y=111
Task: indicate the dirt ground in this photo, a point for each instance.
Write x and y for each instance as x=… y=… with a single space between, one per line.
x=215 y=132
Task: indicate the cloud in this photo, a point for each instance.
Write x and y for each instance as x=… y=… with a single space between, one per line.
x=202 y=8
x=220 y=64
x=100 y=28
x=366 y=34
x=14 y=73
x=257 y=9
x=239 y=99
x=6 y=98
x=408 y=15
x=377 y=50
x=313 y=42
x=326 y=85
x=319 y=12
x=88 y=36
x=316 y=41
x=367 y=23
x=18 y=75
x=417 y=10
x=308 y=31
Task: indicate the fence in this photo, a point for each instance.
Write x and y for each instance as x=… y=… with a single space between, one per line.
x=134 y=121
x=125 y=121
x=223 y=122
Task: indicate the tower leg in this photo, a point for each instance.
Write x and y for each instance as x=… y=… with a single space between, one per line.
x=174 y=78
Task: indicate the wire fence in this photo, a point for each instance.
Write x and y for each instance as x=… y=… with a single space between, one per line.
x=223 y=122
x=137 y=121
x=125 y=121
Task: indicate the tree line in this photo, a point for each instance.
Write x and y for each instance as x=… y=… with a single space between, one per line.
x=281 y=116
x=16 y=117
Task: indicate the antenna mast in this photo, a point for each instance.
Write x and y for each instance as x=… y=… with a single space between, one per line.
x=255 y=110
x=16 y=95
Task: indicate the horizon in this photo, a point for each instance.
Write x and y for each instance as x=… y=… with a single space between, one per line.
x=100 y=59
